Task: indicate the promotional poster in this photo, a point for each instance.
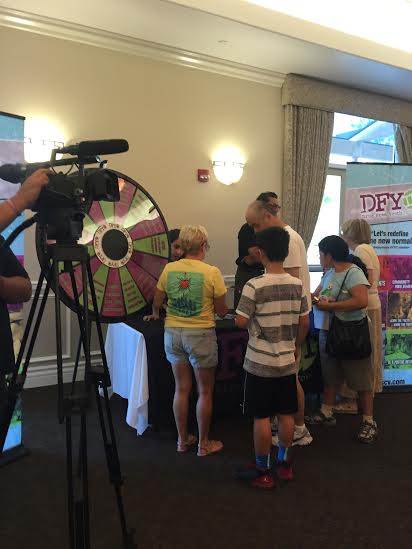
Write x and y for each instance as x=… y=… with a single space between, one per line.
x=382 y=195
x=11 y=152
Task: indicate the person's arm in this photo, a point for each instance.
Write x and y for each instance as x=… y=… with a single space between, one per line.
x=158 y=300
x=241 y=321
x=246 y=307
x=364 y=255
x=303 y=328
x=358 y=300
x=24 y=198
x=317 y=291
x=219 y=292
x=248 y=251
x=371 y=277
x=253 y=256
x=15 y=285
x=221 y=308
x=292 y=263
x=15 y=289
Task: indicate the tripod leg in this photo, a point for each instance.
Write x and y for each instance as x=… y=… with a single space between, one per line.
x=70 y=489
x=112 y=456
x=78 y=488
x=75 y=404
x=59 y=345
x=16 y=383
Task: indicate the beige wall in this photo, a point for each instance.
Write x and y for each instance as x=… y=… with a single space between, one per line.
x=173 y=118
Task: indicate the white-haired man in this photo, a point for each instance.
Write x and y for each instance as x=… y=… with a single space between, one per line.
x=261 y=215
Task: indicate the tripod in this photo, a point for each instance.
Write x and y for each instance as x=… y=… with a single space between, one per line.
x=61 y=257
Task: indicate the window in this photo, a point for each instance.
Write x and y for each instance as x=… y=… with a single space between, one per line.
x=354 y=139
x=328 y=221
x=358 y=139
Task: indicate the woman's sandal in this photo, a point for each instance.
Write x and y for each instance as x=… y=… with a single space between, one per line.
x=210 y=447
x=185 y=446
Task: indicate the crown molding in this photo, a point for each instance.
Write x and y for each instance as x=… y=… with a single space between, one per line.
x=126 y=44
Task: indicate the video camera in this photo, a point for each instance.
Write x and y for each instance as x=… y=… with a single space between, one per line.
x=62 y=204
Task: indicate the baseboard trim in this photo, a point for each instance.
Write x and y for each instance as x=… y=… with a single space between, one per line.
x=42 y=376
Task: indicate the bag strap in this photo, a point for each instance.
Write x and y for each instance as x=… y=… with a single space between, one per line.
x=333 y=313
x=343 y=282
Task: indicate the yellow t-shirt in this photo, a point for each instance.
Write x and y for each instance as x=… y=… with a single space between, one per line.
x=191 y=286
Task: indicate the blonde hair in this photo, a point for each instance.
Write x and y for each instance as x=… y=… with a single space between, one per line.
x=357 y=230
x=192 y=237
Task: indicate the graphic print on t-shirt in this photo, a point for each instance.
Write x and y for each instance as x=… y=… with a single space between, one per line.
x=185 y=293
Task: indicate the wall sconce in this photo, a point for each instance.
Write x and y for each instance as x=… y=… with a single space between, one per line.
x=228 y=165
x=41 y=138
x=227 y=172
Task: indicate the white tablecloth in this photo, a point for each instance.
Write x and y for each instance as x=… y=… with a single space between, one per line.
x=127 y=362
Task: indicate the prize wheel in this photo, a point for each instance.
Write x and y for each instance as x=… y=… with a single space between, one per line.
x=128 y=245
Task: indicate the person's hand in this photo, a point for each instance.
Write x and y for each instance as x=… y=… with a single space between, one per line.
x=30 y=189
x=325 y=304
x=148 y=318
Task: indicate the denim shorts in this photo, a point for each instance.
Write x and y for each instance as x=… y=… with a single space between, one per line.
x=195 y=346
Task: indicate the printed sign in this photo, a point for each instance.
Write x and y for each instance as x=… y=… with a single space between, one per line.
x=382 y=195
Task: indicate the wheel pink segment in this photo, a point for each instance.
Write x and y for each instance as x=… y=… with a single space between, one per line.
x=128 y=246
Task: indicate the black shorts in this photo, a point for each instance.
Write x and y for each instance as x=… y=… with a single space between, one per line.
x=268 y=396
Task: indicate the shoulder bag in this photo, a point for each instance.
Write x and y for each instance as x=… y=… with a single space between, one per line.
x=348 y=339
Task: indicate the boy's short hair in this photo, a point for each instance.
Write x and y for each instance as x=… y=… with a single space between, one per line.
x=274 y=241
x=174 y=234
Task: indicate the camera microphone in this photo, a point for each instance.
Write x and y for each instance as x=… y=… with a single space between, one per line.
x=86 y=151
x=96 y=148
x=17 y=173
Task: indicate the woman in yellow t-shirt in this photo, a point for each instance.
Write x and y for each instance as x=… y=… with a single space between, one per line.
x=195 y=292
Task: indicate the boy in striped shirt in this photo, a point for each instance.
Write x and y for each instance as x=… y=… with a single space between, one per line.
x=274 y=308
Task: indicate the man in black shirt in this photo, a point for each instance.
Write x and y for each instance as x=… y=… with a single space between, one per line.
x=248 y=264
x=15 y=287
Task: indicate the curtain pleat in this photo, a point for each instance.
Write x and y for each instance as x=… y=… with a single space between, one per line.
x=307 y=143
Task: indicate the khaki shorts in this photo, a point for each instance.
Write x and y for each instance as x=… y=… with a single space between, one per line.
x=358 y=374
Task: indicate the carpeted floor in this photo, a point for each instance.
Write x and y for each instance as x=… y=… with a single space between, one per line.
x=345 y=495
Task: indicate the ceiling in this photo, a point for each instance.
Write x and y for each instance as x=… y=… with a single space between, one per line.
x=236 y=33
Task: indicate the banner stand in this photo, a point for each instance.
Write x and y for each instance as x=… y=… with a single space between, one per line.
x=381 y=194
x=11 y=152
x=13 y=454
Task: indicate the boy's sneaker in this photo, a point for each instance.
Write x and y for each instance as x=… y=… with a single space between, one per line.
x=368 y=432
x=263 y=480
x=284 y=471
x=301 y=437
x=319 y=418
x=257 y=478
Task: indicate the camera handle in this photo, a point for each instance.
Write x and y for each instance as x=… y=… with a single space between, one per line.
x=75 y=403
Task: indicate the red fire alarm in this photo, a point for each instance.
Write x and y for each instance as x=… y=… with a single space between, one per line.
x=203 y=176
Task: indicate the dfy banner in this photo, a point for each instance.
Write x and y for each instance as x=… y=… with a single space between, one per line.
x=382 y=195
x=11 y=152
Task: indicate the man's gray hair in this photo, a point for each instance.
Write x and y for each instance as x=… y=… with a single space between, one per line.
x=260 y=207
